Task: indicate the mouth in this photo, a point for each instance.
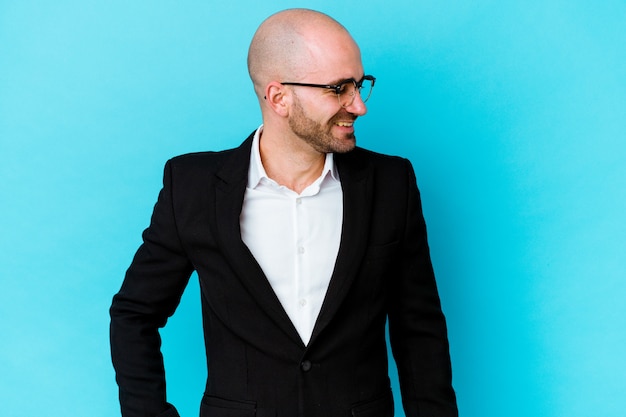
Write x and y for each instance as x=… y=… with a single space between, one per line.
x=345 y=124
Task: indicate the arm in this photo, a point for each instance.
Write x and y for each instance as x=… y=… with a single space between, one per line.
x=150 y=293
x=417 y=326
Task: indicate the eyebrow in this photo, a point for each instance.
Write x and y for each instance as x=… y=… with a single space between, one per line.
x=340 y=80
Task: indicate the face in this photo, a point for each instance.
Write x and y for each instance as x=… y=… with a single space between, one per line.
x=316 y=117
x=334 y=135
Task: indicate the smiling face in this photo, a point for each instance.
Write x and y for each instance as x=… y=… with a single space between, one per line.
x=322 y=134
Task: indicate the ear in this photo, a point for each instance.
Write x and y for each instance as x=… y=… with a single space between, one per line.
x=277 y=98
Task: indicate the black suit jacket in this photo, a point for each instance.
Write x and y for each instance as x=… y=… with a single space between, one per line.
x=257 y=363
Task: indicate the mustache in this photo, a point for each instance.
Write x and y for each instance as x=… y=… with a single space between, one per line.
x=343 y=117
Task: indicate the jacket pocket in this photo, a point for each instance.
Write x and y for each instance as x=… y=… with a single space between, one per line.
x=380 y=407
x=220 y=407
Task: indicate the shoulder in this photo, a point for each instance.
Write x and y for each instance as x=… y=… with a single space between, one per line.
x=195 y=164
x=378 y=157
x=364 y=159
x=202 y=163
x=200 y=160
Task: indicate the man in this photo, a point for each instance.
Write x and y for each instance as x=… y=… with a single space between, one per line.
x=304 y=246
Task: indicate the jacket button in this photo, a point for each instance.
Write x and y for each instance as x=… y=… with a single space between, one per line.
x=305 y=366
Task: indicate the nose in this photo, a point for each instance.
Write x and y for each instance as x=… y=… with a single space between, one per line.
x=357 y=106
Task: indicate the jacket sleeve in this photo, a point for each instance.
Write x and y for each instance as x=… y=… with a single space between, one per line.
x=149 y=295
x=417 y=327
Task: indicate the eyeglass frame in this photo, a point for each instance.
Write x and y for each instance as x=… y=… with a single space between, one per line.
x=337 y=87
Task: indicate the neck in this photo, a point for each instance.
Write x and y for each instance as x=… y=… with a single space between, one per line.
x=290 y=161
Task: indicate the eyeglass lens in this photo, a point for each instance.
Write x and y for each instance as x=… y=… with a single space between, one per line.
x=348 y=92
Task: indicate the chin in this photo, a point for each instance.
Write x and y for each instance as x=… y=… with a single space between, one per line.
x=344 y=145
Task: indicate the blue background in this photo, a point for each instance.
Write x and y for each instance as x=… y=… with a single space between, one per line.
x=513 y=113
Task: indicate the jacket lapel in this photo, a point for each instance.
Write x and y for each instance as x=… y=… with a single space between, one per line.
x=229 y=193
x=355 y=176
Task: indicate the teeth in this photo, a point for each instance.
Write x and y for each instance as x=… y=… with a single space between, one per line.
x=344 y=124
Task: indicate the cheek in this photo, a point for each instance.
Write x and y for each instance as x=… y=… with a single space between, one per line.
x=321 y=110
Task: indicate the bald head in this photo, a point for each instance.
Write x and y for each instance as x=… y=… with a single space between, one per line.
x=288 y=42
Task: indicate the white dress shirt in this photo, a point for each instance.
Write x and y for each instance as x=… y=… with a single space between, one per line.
x=294 y=237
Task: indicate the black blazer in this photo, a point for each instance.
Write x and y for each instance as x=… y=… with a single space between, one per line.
x=257 y=363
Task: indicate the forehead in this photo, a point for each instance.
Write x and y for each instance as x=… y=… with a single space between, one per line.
x=332 y=57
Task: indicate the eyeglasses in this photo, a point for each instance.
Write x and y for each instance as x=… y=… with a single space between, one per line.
x=347 y=89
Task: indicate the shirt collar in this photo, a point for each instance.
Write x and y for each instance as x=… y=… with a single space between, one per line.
x=256 y=172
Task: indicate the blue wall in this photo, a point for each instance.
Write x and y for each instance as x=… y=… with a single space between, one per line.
x=513 y=113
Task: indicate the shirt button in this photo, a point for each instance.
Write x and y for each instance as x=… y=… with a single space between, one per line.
x=300 y=250
x=305 y=366
x=302 y=302
x=298 y=201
